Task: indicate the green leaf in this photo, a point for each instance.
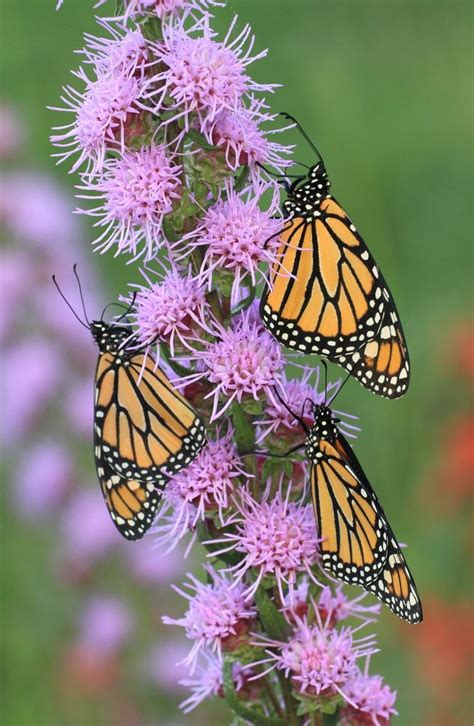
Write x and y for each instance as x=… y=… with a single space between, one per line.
x=272 y=620
x=241 y=179
x=244 y=431
x=169 y=231
x=200 y=140
x=253 y=714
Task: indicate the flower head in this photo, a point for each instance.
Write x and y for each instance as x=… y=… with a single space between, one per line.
x=169 y=309
x=101 y=114
x=319 y=661
x=203 y=76
x=373 y=702
x=206 y=484
x=208 y=680
x=123 y=51
x=237 y=236
x=244 y=362
x=218 y=615
x=241 y=136
x=135 y=193
x=276 y=537
x=335 y=606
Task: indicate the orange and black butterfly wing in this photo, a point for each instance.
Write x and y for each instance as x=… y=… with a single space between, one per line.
x=132 y=504
x=358 y=544
x=327 y=296
x=146 y=428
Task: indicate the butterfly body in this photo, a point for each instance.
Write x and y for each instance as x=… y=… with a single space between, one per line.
x=144 y=430
x=327 y=295
x=358 y=545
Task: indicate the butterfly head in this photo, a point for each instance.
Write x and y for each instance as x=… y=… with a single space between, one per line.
x=325 y=425
x=304 y=198
x=109 y=338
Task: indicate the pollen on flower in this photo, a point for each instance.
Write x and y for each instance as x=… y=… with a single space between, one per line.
x=169 y=309
x=276 y=537
x=135 y=193
x=218 y=616
x=203 y=76
x=237 y=235
x=245 y=361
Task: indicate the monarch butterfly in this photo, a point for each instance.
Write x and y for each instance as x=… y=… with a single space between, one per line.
x=358 y=545
x=326 y=294
x=144 y=429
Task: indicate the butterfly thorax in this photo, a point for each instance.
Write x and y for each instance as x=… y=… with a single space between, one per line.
x=304 y=198
x=110 y=338
x=324 y=428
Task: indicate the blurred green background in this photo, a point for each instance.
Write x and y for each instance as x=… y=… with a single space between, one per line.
x=384 y=89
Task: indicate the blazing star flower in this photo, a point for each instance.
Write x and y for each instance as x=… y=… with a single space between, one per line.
x=171 y=308
x=277 y=538
x=336 y=606
x=162 y=8
x=203 y=76
x=236 y=236
x=124 y=51
x=43 y=478
x=135 y=193
x=244 y=142
x=208 y=681
x=101 y=115
x=299 y=393
x=219 y=616
x=206 y=484
x=105 y=625
x=244 y=362
x=373 y=702
x=320 y=661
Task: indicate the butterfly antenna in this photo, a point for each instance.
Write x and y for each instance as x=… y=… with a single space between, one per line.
x=81 y=294
x=69 y=304
x=340 y=387
x=302 y=132
x=295 y=415
x=325 y=366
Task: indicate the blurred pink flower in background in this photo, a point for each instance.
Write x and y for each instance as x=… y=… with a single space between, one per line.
x=43 y=478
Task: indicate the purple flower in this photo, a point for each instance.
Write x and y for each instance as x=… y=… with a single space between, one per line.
x=372 y=702
x=162 y=8
x=134 y=192
x=125 y=51
x=244 y=142
x=170 y=309
x=101 y=114
x=277 y=538
x=42 y=479
x=105 y=625
x=208 y=681
x=218 y=616
x=203 y=76
x=245 y=362
x=320 y=661
x=236 y=236
x=299 y=393
x=335 y=606
x=205 y=485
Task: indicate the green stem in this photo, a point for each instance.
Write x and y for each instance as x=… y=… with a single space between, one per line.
x=250 y=714
x=271 y=695
x=290 y=701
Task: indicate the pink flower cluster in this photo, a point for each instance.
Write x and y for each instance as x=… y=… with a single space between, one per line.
x=171 y=136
